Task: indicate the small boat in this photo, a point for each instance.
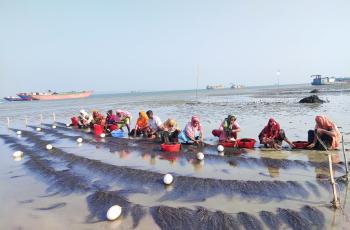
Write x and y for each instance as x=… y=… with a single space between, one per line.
x=54 y=95
x=319 y=80
x=15 y=99
x=215 y=87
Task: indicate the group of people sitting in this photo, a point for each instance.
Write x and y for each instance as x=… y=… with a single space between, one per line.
x=325 y=133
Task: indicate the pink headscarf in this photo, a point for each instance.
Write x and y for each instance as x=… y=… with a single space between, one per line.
x=191 y=128
x=323 y=122
x=123 y=113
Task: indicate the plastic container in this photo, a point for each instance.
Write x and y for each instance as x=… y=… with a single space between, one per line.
x=228 y=144
x=118 y=133
x=247 y=143
x=75 y=121
x=300 y=144
x=173 y=148
x=98 y=129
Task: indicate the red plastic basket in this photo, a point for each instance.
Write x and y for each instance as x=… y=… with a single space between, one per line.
x=247 y=143
x=300 y=144
x=228 y=144
x=98 y=129
x=170 y=147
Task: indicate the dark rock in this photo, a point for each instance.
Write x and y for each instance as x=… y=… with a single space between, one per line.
x=312 y=99
x=314 y=91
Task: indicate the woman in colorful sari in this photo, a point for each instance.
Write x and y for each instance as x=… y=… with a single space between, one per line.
x=123 y=119
x=326 y=131
x=98 y=119
x=141 y=126
x=193 y=132
x=272 y=135
x=111 y=121
x=169 y=131
x=228 y=130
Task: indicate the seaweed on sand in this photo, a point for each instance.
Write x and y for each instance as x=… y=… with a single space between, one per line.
x=314 y=215
x=294 y=219
x=249 y=221
x=271 y=220
x=100 y=201
x=184 y=218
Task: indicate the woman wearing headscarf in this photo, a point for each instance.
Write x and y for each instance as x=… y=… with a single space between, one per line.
x=228 y=130
x=325 y=130
x=193 y=132
x=111 y=121
x=123 y=118
x=272 y=135
x=98 y=119
x=141 y=126
x=169 y=131
x=85 y=119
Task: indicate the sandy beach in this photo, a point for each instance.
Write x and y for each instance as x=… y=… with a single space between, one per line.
x=73 y=185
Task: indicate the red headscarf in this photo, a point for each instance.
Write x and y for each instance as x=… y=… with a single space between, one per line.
x=272 y=129
x=322 y=122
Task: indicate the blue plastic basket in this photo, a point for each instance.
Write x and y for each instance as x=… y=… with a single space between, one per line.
x=118 y=133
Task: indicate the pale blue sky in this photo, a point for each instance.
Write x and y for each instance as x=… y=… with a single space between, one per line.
x=155 y=45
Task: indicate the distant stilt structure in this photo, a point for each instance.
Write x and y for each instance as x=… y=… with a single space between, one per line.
x=278 y=74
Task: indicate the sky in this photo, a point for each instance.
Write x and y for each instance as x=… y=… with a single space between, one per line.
x=127 y=45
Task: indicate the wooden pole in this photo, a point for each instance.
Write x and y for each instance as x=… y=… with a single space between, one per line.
x=41 y=118
x=8 y=122
x=54 y=117
x=335 y=202
x=345 y=161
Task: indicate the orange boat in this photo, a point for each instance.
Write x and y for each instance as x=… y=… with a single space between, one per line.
x=56 y=96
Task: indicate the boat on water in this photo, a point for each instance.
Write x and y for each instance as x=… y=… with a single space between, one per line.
x=54 y=95
x=319 y=80
x=234 y=86
x=15 y=99
x=215 y=87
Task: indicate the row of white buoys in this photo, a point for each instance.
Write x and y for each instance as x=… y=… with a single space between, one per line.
x=49 y=147
x=54 y=126
x=80 y=140
x=38 y=129
x=19 y=132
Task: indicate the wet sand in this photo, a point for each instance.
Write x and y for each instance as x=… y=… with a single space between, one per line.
x=72 y=185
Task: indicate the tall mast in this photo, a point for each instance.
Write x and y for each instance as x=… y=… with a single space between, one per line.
x=197 y=80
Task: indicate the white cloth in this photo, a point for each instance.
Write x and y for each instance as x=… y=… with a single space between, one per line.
x=154 y=123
